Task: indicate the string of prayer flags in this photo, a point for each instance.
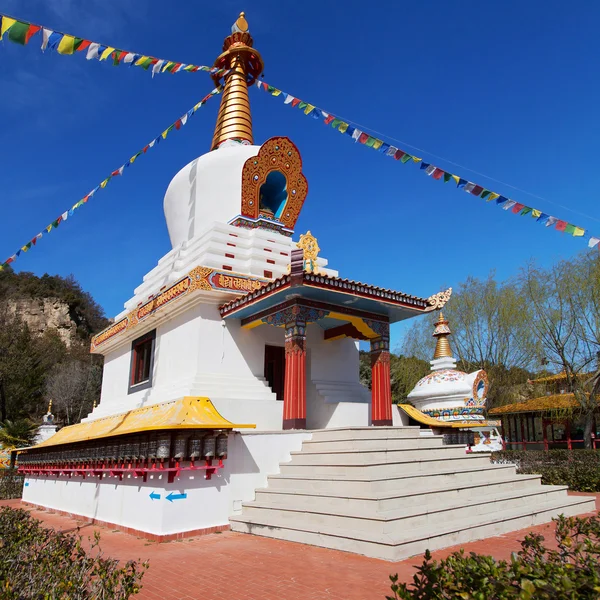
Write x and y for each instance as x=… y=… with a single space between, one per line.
x=479 y=191
x=21 y=32
x=117 y=172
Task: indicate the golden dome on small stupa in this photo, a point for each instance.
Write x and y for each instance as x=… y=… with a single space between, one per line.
x=441 y=332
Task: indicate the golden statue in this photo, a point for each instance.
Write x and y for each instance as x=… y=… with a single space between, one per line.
x=308 y=243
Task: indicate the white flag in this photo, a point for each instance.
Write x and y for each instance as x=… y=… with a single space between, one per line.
x=289 y=99
x=593 y=242
x=469 y=187
x=430 y=169
x=184 y=119
x=46 y=33
x=157 y=67
x=357 y=133
x=129 y=57
x=92 y=51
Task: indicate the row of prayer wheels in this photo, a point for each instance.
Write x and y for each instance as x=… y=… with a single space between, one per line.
x=161 y=445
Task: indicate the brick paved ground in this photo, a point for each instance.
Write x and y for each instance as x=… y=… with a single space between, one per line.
x=234 y=565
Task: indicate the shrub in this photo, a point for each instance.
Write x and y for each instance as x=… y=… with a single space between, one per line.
x=535 y=572
x=39 y=563
x=579 y=469
x=11 y=484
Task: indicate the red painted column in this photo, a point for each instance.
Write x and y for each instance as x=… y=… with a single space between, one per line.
x=294 y=394
x=381 y=389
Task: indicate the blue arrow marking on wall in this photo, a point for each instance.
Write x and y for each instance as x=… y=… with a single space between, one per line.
x=173 y=496
x=154 y=496
x=26 y=483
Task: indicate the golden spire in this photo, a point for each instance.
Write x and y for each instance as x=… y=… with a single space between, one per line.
x=245 y=64
x=441 y=332
x=49 y=408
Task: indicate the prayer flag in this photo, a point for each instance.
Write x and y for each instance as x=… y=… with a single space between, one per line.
x=157 y=66
x=295 y=102
x=356 y=134
x=492 y=196
x=551 y=221
x=501 y=200
x=309 y=108
x=485 y=194
x=46 y=33
x=457 y=179
x=461 y=183
x=526 y=210
x=447 y=177
x=384 y=148
x=404 y=159
x=302 y=105
x=363 y=137
x=106 y=53
x=508 y=204
x=517 y=208
x=377 y=144
x=129 y=58
x=54 y=39
x=429 y=169
x=342 y=128
x=18 y=33
x=570 y=228
x=370 y=142
x=289 y=99
x=535 y=213
x=561 y=225
x=469 y=187
x=476 y=191
x=84 y=45
x=7 y=23
x=437 y=174
x=594 y=241
x=578 y=232
x=543 y=218
x=92 y=51
x=66 y=45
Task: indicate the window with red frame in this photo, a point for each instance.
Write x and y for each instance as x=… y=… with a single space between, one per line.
x=142 y=362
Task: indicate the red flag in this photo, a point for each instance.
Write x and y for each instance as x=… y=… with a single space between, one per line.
x=328 y=119
x=437 y=174
x=363 y=138
x=561 y=225
x=9 y=260
x=85 y=44
x=295 y=102
x=33 y=29
x=476 y=191
x=399 y=154
x=517 y=208
x=178 y=124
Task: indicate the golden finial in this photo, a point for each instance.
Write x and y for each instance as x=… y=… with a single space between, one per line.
x=309 y=245
x=241 y=25
x=49 y=408
x=441 y=332
x=240 y=65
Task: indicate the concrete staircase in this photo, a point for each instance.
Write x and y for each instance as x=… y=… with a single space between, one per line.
x=388 y=493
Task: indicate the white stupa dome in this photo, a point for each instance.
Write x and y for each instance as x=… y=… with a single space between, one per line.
x=443 y=384
x=206 y=190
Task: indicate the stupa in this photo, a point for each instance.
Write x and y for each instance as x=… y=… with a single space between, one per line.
x=452 y=402
x=236 y=361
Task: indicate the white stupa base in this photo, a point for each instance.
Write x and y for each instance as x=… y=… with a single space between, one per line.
x=207 y=504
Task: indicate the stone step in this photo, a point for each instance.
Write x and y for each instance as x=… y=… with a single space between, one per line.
x=423 y=451
x=377 y=470
x=364 y=485
x=400 y=519
x=408 y=543
x=352 y=433
x=313 y=446
x=407 y=498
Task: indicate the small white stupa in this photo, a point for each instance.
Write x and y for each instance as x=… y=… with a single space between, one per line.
x=451 y=399
x=48 y=428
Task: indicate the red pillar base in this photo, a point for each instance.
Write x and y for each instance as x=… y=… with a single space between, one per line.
x=294 y=423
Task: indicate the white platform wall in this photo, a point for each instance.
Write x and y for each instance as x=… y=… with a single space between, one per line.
x=252 y=457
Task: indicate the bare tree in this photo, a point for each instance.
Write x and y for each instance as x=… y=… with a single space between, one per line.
x=67 y=388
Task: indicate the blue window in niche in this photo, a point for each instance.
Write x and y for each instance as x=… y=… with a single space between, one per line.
x=273 y=194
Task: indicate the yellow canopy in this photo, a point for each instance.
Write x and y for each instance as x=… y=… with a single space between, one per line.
x=424 y=419
x=187 y=413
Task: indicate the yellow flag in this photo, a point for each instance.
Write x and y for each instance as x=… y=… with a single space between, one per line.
x=164 y=134
x=104 y=183
x=456 y=178
x=66 y=45
x=277 y=93
x=492 y=196
x=578 y=232
x=535 y=213
x=141 y=60
x=107 y=53
x=377 y=144
x=7 y=23
x=416 y=159
x=343 y=127
x=309 y=108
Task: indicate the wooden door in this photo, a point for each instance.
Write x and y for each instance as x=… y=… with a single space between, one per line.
x=275 y=369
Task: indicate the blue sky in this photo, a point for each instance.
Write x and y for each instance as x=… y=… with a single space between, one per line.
x=507 y=89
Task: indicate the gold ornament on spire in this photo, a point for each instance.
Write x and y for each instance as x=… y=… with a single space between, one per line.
x=309 y=245
x=244 y=65
x=441 y=332
x=49 y=408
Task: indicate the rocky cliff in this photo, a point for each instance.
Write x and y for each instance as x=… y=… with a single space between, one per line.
x=42 y=314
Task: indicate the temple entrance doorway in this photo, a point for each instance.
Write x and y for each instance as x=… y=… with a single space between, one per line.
x=275 y=369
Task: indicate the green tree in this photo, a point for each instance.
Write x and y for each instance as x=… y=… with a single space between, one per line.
x=565 y=316
x=17 y=434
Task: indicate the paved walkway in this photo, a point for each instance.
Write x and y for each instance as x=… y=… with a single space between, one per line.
x=244 y=567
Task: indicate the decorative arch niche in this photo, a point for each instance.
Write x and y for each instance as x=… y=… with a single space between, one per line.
x=273 y=185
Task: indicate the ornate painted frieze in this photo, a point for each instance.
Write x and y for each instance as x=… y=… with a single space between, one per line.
x=198 y=279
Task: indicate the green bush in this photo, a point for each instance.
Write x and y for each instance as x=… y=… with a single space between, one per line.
x=42 y=564
x=535 y=572
x=579 y=469
x=11 y=484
